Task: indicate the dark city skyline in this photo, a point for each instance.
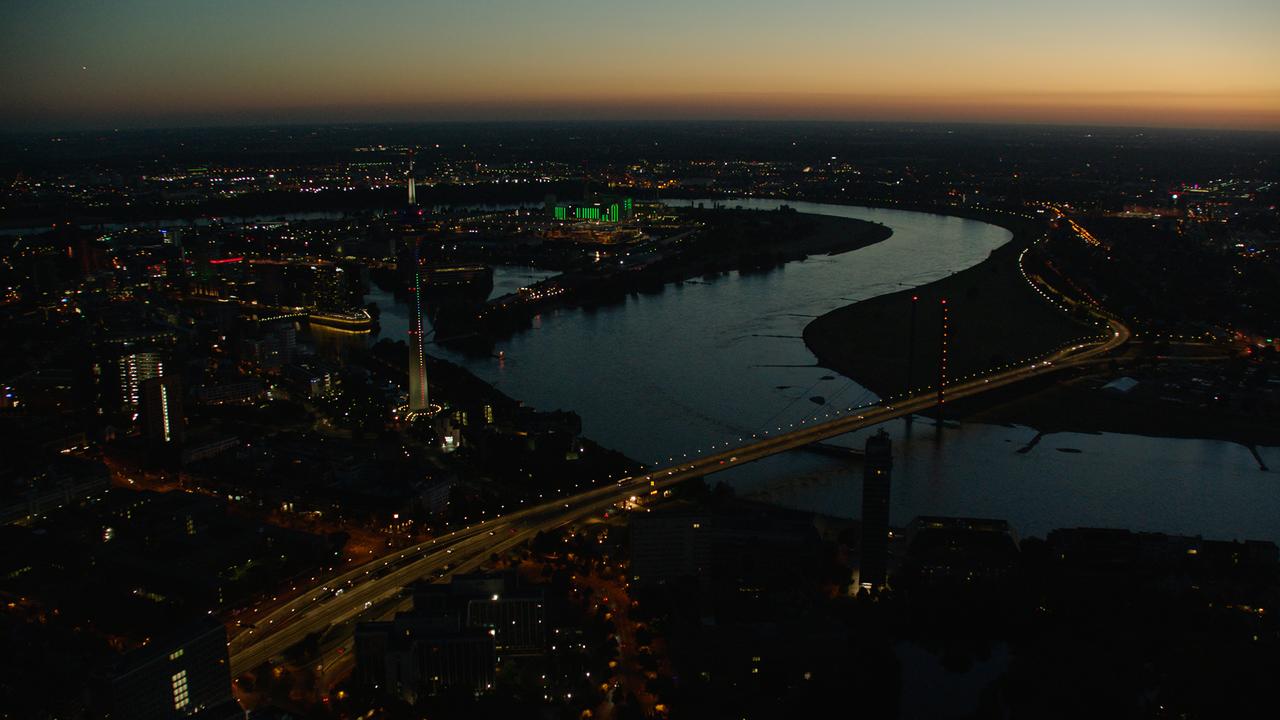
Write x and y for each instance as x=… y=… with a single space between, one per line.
x=620 y=361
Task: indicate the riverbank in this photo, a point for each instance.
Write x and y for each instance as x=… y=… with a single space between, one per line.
x=732 y=238
x=1073 y=403
x=728 y=240
x=459 y=389
x=994 y=317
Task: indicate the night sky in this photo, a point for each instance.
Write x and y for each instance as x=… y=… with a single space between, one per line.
x=130 y=63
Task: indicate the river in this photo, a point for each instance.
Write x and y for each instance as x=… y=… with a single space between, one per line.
x=705 y=362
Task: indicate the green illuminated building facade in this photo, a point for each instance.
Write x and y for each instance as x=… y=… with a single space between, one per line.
x=609 y=209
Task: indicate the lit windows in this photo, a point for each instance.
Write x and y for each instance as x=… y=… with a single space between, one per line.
x=180 y=697
x=164 y=411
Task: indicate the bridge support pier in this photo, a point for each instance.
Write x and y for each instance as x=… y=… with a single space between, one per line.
x=942 y=359
x=911 y=350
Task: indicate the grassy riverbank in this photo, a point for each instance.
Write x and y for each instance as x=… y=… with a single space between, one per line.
x=995 y=317
x=759 y=240
x=1074 y=403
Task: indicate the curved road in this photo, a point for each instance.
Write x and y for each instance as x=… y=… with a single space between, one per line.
x=347 y=596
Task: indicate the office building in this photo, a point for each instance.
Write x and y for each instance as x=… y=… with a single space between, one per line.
x=135 y=369
x=313 y=380
x=607 y=209
x=274 y=346
x=741 y=541
x=162 y=410
x=412 y=657
x=489 y=601
x=331 y=289
x=958 y=551
x=187 y=675
x=241 y=390
x=452 y=638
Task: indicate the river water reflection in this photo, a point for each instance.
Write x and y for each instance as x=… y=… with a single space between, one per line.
x=709 y=361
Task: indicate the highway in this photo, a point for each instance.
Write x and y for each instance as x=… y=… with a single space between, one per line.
x=373 y=584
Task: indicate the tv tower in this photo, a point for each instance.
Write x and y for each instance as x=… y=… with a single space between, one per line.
x=417 y=354
x=413 y=196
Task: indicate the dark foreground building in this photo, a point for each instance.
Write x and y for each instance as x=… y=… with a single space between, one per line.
x=186 y=675
x=453 y=638
x=669 y=545
x=877 y=464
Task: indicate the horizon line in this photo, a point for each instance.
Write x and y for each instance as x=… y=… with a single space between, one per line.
x=244 y=124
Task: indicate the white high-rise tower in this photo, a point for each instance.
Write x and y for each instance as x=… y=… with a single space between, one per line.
x=418 y=398
x=413 y=195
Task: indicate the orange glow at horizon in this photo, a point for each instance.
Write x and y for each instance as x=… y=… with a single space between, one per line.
x=1175 y=62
